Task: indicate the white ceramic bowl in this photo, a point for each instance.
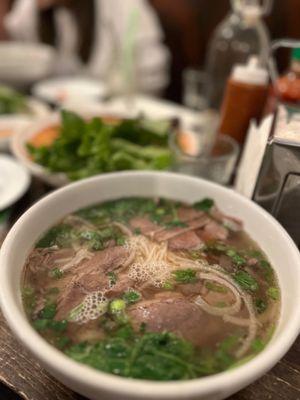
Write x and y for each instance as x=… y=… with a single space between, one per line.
x=273 y=239
x=65 y=89
x=14 y=181
x=25 y=63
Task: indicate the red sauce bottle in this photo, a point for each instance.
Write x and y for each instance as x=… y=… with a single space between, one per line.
x=244 y=100
x=288 y=86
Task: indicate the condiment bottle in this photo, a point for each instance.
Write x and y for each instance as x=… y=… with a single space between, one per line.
x=241 y=34
x=287 y=87
x=244 y=99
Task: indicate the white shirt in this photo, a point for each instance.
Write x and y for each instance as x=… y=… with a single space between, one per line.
x=127 y=44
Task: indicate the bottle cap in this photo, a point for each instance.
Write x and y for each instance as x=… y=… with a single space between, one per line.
x=251 y=14
x=252 y=9
x=296 y=54
x=251 y=73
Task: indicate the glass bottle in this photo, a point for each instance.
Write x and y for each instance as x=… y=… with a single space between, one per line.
x=242 y=34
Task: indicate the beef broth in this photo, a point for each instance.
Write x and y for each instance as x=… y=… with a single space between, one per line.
x=152 y=289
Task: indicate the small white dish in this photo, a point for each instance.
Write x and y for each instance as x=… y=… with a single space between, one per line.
x=96 y=385
x=65 y=89
x=14 y=181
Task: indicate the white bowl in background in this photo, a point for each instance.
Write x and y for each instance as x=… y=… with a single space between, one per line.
x=66 y=89
x=25 y=63
x=14 y=181
x=263 y=228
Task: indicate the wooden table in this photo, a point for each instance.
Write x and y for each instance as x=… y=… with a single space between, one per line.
x=21 y=377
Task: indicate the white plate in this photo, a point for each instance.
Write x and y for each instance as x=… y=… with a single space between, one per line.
x=63 y=90
x=14 y=181
x=21 y=138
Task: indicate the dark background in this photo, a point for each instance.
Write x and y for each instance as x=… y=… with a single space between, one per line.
x=188 y=26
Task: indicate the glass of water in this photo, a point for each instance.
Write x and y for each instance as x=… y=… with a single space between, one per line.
x=215 y=163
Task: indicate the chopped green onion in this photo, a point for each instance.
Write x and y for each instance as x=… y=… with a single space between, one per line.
x=273 y=293
x=246 y=281
x=131 y=296
x=185 y=276
x=56 y=273
x=204 y=205
x=117 y=306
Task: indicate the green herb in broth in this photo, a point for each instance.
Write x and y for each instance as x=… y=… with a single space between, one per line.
x=56 y=273
x=29 y=298
x=109 y=257
x=93 y=238
x=215 y=288
x=204 y=205
x=117 y=309
x=261 y=305
x=168 y=286
x=257 y=345
x=45 y=320
x=163 y=212
x=112 y=276
x=117 y=305
x=176 y=224
x=48 y=312
x=153 y=356
x=222 y=248
x=246 y=281
x=60 y=235
x=185 y=276
x=273 y=293
x=131 y=296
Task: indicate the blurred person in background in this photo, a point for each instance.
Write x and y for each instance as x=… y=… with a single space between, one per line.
x=108 y=39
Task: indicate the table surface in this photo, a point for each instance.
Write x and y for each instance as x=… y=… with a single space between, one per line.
x=21 y=377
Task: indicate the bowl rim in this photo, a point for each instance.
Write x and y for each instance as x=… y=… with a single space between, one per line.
x=59 y=364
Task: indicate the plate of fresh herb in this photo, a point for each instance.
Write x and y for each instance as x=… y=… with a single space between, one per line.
x=67 y=146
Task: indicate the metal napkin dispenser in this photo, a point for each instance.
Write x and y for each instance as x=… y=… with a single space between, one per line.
x=278 y=185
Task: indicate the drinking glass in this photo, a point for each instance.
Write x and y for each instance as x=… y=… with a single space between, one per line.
x=216 y=163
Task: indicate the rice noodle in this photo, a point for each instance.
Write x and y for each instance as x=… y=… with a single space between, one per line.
x=252 y=329
x=217 y=311
x=172 y=234
x=251 y=322
x=82 y=254
x=123 y=228
x=236 y=320
x=75 y=219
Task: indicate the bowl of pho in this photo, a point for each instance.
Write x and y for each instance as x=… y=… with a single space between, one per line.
x=151 y=285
